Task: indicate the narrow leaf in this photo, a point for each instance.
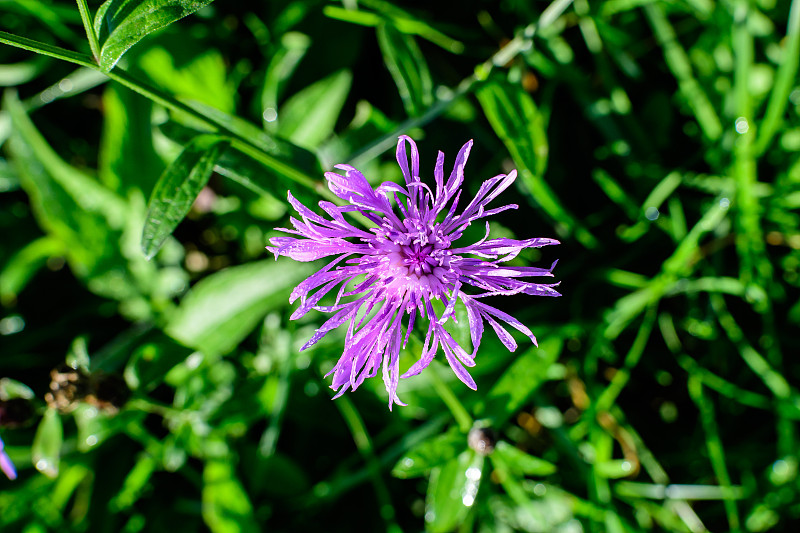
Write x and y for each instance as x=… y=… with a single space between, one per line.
x=519 y=461
x=177 y=188
x=408 y=68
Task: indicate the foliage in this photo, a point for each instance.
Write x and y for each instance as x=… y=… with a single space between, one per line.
x=150 y=376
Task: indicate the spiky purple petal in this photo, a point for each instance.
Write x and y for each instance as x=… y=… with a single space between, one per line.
x=398 y=267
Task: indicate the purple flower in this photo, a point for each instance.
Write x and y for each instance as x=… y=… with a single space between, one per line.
x=389 y=274
x=5 y=463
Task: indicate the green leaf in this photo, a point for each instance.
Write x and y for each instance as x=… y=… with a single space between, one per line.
x=10 y=388
x=430 y=453
x=291 y=49
x=517 y=121
x=519 y=461
x=128 y=136
x=309 y=116
x=519 y=382
x=279 y=157
x=226 y=507
x=46 y=447
x=201 y=76
x=452 y=491
x=85 y=217
x=78 y=355
x=223 y=308
x=135 y=483
x=408 y=68
x=46 y=49
x=177 y=188
x=151 y=361
x=120 y=24
x=21 y=267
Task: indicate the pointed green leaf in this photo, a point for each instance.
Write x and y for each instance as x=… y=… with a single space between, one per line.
x=46 y=447
x=452 y=491
x=128 y=136
x=78 y=355
x=178 y=187
x=21 y=267
x=408 y=68
x=430 y=453
x=519 y=461
x=73 y=208
x=120 y=24
x=308 y=117
x=226 y=507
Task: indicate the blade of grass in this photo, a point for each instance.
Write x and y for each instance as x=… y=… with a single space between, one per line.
x=785 y=79
x=47 y=49
x=773 y=380
x=716 y=452
x=749 y=237
x=680 y=65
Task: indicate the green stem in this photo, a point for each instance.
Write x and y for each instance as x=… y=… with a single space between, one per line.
x=463 y=419
x=716 y=452
x=784 y=81
x=86 y=18
x=122 y=77
x=364 y=445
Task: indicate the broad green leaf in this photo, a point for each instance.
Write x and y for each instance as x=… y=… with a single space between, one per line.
x=120 y=24
x=291 y=49
x=85 y=217
x=517 y=121
x=201 y=76
x=309 y=116
x=223 y=308
x=178 y=187
x=226 y=507
x=430 y=453
x=21 y=267
x=519 y=382
x=519 y=461
x=407 y=66
x=452 y=491
x=128 y=136
x=46 y=447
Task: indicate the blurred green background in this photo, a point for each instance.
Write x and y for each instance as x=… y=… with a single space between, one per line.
x=658 y=140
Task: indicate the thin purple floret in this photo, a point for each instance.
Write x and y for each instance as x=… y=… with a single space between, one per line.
x=388 y=275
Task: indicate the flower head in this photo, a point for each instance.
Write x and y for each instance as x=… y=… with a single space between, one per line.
x=388 y=275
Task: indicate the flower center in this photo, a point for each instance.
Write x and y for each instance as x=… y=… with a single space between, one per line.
x=416 y=261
